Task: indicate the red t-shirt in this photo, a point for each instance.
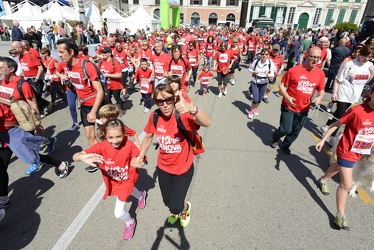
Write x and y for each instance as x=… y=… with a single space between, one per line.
x=143 y=78
x=160 y=64
x=223 y=60
x=7 y=90
x=146 y=53
x=121 y=57
x=204 y=77
x=209 y=50
x=252 y=43
x=358 y=120
x=235 y=52
x=83 y=88
x=51 y=69
x=119 y=177
x=29 y=64
x=193 y=57
x=180 y=68
x=175 y=155
x=301 y=85
x=107 y=68
x=278 y=61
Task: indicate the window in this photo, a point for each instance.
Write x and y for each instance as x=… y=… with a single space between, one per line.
x=195 y=18
x=291 y=15
x=213 y=17
x=268 y=12
x=357 y=1
x=317 y=16
x=256 y=12
x=136 y=1
x=329 y=15
x=333 y=0
x=230 y=17
x=196 y=2
x=352 y=18
x=156 y=14
x=214 y=2
x=181 y=17
x=341 y=16
x=346 y=1
x=279 y=18
x=157 y=2
x=232 y=2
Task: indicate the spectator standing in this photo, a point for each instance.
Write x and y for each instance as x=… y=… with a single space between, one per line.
x=16 y=32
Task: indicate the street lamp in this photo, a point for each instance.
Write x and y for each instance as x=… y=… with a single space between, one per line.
x=82 y=13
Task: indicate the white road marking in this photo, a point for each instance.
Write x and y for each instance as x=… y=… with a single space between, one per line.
x=79 y=221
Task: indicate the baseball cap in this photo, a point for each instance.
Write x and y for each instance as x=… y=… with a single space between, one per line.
x=106 y=50
x=276 y=46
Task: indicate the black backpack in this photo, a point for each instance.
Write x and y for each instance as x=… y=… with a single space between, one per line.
x=102 y=79
x=39 y=99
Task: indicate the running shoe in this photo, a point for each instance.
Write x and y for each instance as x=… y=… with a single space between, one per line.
x=51 y=144
x=173 y=218
x=129 y=229
x=323 y=129
x=35 y=167
x=142 y=200
x=341 y=222
x=274 y=144
x=285 y=149
x=219 y=95
x=91 y=169
x=4 y=204
x=265 y=99
x=64 y=169
x=146 y=110
x=250 y=114
x=323 y=187
x=225 y=91
x=232 y=81
x=255 y=111
x=185 y=215
x=74 y=127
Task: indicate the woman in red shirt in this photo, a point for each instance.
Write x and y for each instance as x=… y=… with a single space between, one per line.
x=237 y=53
x=114 y=157
x=180 y=66
x=209 y=51
x=193 y=56
x=175 y=158
x=50 y=76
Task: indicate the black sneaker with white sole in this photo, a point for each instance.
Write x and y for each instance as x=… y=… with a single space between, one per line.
x=64 y=169
x=91 y=169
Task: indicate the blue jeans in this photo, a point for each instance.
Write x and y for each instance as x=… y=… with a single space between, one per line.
x=51 y=38
x=258 y=91
x=71 y=98
x=147 y=100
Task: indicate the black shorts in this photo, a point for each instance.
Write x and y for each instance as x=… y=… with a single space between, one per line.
x=221 y=78
x=84 y=112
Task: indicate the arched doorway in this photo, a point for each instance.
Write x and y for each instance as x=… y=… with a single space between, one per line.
x=303 y=21
x=156 y=14
x=195 y=19
x=230 y=18
x=212 y=20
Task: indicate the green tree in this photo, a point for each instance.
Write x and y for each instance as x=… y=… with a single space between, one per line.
x=347 y=26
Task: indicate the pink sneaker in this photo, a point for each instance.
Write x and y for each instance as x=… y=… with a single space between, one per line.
x=129 y=230
x=204 y=95
x=141 y=201
x=255 y=111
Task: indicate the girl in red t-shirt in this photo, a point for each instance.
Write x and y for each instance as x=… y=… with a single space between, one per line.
x=175 y=158
x=204 y=79
x=193 y=56
x=114 y=157
x=357 y=140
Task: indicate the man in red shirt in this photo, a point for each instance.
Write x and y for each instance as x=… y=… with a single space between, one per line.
x=297 y=87
x=160 y=61
x=89 y=91
x=251 y=47
x=223 y=61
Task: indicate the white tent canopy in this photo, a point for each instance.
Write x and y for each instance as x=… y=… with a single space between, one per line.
x=27 y=15
x=93 y=16
x=55 y=12
x=140 y=19
x=113 y=18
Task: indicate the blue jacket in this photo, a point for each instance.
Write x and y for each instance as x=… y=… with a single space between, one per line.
x=16 y=34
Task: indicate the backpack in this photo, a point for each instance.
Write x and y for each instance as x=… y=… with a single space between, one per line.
x=28 y=118
x=39 y=99
x=258 y=61
x=102 y=79
x=196 y=142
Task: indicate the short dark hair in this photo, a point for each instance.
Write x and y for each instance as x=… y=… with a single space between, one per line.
x=69 y=45
x=10 y=63
x=143 y=59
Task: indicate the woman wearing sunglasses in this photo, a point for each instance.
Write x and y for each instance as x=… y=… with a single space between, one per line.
x=175 y=166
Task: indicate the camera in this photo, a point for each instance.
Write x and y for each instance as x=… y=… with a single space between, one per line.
x=69 y=84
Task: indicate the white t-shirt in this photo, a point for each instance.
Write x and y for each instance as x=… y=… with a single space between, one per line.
x=352 y=78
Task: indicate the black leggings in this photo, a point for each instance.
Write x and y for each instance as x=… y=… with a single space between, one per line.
x=194 y=74
x=174 y=188
x=49 y=160
x=5 y=155
x=341 y=108
x=117 y=96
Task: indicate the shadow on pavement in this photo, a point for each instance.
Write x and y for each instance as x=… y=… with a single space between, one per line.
x=183 y=244
x=263 y=130
x=242 y=106
x=21 y=222
x=297 y=167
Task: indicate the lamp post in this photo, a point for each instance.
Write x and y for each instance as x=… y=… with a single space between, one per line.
x=82 y=13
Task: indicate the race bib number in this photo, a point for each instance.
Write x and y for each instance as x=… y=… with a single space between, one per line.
x=360 y=79
x=144 y=86
x=205 y=80
x=176 y=70
x=363 y=144
x=192 y=61
x=6 y=93
x=75 y=79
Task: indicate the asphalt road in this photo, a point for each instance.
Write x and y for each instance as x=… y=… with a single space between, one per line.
x=244 y=194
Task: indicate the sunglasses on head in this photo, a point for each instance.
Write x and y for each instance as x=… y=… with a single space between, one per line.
x=169 y=100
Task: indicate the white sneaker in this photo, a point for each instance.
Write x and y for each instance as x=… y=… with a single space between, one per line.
x=250 y=115
x=255 y=111
x=219 y=95
x=323 y=129
x=146 y=110
x=232 y=81
x=225 y=91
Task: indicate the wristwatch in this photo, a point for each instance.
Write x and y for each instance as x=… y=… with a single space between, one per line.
x=195 y=110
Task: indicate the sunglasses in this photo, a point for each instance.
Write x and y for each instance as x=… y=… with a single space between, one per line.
x=265 y=54
x=168 y=101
